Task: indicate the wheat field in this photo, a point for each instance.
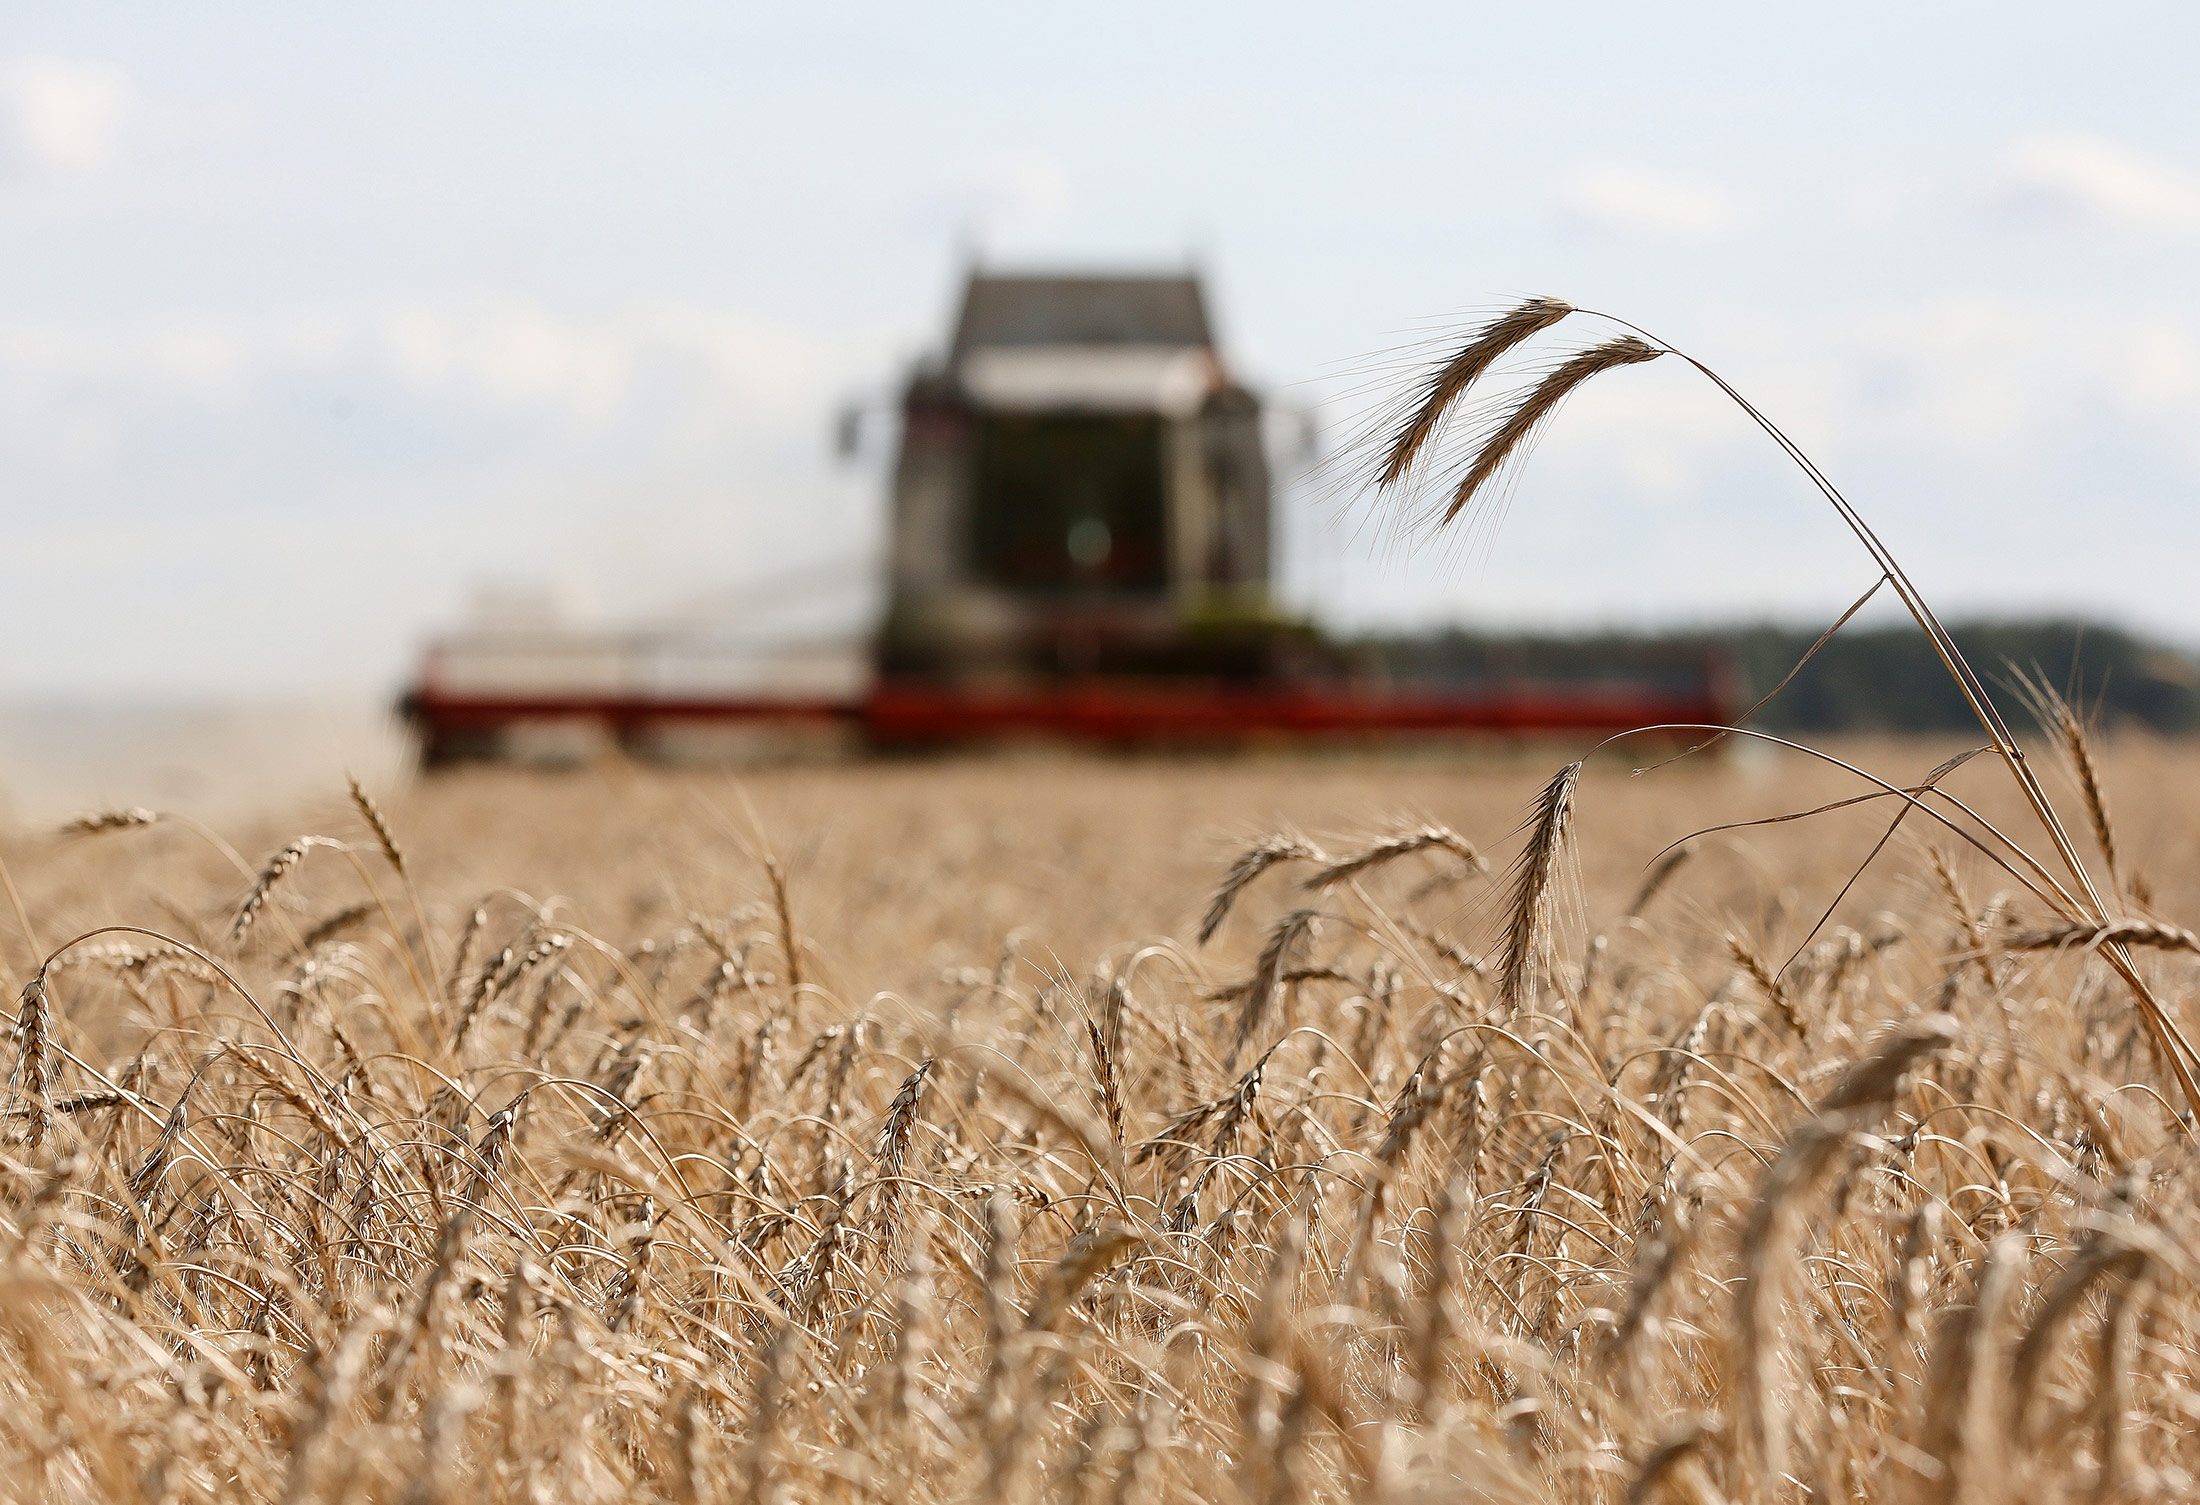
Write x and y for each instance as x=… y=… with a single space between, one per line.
x=1763 y=1126
x=887 y=1132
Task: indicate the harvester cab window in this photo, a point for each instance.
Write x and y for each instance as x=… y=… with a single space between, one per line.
x=1070 y=503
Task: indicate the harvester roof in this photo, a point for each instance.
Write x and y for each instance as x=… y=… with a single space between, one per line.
x=1017 y=310
x=1086 y=344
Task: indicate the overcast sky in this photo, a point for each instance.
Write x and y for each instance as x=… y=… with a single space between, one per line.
x=311 y=323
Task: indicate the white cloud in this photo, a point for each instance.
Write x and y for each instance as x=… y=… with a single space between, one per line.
x=1640 y=203
x=61 y=117
x=637 y=367
x=2087 y=180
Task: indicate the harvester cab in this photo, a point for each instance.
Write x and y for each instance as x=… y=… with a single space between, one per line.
x=1081 y=490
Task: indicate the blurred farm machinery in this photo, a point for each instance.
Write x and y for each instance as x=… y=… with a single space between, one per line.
x=1081 y=549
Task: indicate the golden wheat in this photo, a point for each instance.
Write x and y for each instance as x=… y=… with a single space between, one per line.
x=1000 y=1233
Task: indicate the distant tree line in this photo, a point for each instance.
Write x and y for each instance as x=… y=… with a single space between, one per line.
x=1865 y=679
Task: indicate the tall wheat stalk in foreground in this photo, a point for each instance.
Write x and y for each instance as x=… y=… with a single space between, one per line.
x=2066 y=885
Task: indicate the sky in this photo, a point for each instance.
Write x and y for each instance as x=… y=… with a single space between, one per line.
x=319 y=323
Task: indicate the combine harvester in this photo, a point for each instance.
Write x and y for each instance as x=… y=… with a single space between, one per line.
x=1081 y=550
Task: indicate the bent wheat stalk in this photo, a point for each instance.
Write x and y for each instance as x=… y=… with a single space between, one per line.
x=2080 y=902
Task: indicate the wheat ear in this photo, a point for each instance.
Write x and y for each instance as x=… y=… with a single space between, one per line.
x=2144 y=933
x=377 y=822
x=1520 y=425
x=2103 y=1261
x=1528 y=925
x=2061 y=720
x=1405 y=843
x=1286 y=943
x=1450 y=381
x=33 y=1039
x=278 y=868
x=1104 y=1073
x=1659 y=875
x=1251 y=863
x=93 y=822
